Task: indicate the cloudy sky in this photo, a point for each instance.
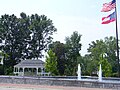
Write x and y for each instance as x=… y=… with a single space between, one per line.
x=68 y=16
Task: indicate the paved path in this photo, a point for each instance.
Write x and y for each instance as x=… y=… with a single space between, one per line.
x=42 y=87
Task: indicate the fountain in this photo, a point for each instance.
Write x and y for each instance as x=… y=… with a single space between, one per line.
x=100 y=74
x=79 y=72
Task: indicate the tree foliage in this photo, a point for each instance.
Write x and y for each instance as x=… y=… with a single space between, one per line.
x=67 y=54
x=51 y=63
x=111 y=52
x=106 y=66
x=107 y=47
x=24 y=37
x=73 y=47
x=59 y=49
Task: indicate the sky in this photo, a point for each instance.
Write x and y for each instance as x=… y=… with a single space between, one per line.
x=68 y=16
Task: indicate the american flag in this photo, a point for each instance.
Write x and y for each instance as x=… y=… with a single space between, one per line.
x=109 y=6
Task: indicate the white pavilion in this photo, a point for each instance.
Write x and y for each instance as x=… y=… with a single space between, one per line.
x=30 y=68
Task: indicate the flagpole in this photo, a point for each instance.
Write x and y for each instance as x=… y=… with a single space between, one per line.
x=117 y=47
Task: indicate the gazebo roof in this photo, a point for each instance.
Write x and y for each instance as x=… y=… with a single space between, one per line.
x=30 y=63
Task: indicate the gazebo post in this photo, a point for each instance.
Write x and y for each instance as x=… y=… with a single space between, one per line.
x=14 y=71
x=18 y=71
x=37 y=70
x=42 y=71
x=23 y=71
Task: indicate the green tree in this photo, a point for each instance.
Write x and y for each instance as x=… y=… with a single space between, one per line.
x=111 y=52
x=59 y=49
x=108 y=47
x=96 y=48
x=42 y=30
x=85 y=62
x=51 y=63
x=106 y=66
x=25 y=37
x=73 y=47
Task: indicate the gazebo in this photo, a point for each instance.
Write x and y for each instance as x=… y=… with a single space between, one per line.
x=30 y=68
